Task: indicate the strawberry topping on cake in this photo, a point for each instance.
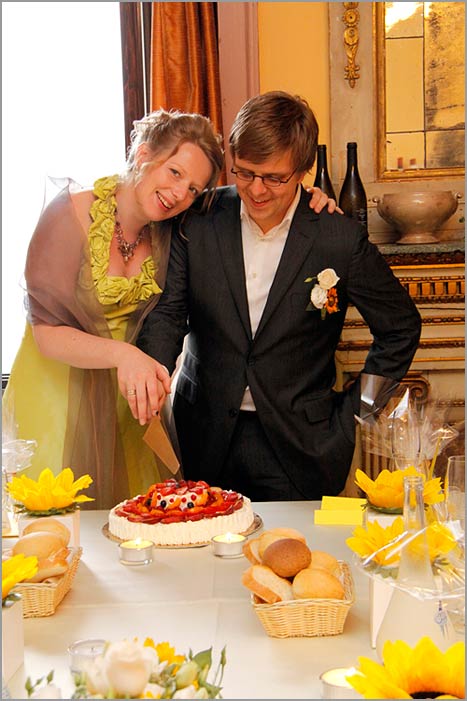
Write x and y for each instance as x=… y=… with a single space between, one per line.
x=176 y=502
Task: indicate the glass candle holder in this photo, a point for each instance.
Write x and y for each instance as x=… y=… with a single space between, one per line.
x=83 y=651
x=228 y=544
x=136 y=552
x=335 y=685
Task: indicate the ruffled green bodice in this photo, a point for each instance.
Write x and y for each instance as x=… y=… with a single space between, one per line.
x=114 y=289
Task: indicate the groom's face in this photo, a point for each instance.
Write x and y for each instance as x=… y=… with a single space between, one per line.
x=267 y=205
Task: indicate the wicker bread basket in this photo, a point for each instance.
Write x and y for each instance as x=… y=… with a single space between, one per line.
x=42 y=598
x=307 y=617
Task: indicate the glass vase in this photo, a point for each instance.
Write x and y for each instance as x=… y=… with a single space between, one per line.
x=415 y=610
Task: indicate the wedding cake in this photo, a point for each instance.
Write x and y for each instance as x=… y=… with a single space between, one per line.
x=181 y=513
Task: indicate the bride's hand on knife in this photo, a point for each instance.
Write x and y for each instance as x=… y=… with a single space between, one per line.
x=144 y=382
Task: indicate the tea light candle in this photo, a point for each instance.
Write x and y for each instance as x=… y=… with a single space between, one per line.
x=228 y=544
x=136 y=552
x=83 y=651
x=336 y=686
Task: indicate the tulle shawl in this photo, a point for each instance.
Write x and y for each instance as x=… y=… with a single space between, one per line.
x=60 y=291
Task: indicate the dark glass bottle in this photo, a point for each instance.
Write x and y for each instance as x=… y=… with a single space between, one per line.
x=352 y=199
x=322 y=179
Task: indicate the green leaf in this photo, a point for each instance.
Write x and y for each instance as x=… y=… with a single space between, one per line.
x=323 y=313
x=384 y=509
x=211 y=689
x=48 y=512
x=204 y=658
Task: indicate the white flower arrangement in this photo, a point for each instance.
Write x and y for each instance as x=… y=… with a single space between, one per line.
x=323 y=294
x=130 y=669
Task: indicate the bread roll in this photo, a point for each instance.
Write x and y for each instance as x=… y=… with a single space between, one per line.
x=41 y=544
x=51 y=525
x=266 y=584
x=270 y=536
x=250 y=550
x=287 y=533
x=319 y=558
x=287 y=556
x=317 y=583
x=49 y=567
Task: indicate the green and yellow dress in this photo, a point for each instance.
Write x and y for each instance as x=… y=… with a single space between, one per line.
x=78 y=417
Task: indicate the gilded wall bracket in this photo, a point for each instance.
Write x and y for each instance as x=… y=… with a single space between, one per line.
x=351 y=19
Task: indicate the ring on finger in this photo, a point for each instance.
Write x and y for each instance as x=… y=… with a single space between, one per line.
x=130 y=392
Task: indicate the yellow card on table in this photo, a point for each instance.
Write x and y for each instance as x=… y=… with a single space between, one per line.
x=338 y=517
x=157 y=439
x=342 y=503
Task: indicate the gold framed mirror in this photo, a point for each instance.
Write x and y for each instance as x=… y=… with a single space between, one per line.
x=420 y=67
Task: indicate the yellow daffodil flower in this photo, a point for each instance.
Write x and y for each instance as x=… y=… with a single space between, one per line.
x=16 y=569
x=387 y=490
x=407 y=672
x=49 y=492
x=166 y=653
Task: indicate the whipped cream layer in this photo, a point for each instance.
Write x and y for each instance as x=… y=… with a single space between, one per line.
x=183 y=533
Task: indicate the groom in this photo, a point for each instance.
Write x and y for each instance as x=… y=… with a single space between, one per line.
x=261 y=284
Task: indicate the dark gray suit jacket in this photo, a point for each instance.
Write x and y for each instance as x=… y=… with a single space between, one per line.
x=289 y=364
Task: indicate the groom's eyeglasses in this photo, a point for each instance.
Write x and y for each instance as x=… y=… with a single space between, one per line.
x=269 y=180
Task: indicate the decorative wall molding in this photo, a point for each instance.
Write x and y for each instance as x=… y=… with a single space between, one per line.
x=433 y=259
x=418 y=385
x=351 y=19
x=424 y=344
x=427 y=321
x=439 y=290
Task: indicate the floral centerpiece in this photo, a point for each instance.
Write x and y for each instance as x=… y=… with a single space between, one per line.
x=379 y=548
x=386 y=492
x=421 y=672
x=129 y=669
x=49 y=495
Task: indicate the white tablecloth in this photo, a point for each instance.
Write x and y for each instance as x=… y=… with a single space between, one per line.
x=195 y=600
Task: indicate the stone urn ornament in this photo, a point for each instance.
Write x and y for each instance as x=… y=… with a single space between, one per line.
x=417 y=216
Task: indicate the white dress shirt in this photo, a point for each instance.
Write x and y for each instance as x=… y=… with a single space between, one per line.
x=261 y=255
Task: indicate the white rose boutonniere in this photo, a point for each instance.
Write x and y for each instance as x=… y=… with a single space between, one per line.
x=323 y=294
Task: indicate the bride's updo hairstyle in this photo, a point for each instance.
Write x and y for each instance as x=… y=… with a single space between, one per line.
x=165 y=131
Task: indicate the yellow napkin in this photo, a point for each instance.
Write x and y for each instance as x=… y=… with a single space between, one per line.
x=340 y=511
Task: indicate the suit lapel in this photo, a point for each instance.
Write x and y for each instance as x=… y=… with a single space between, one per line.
x=297 y=248
x=229 y=237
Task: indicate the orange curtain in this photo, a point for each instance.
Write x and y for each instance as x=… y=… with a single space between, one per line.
x=185 y=61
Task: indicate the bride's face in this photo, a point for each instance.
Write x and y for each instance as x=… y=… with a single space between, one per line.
x=168 y=188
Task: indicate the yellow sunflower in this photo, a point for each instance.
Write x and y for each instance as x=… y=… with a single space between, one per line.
x=387 y=490
x=377 y=543
x=16 y=569
x=422 y=672
x=371 y=541
x=49 y=493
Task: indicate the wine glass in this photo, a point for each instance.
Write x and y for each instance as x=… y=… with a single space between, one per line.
x=16 y=457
